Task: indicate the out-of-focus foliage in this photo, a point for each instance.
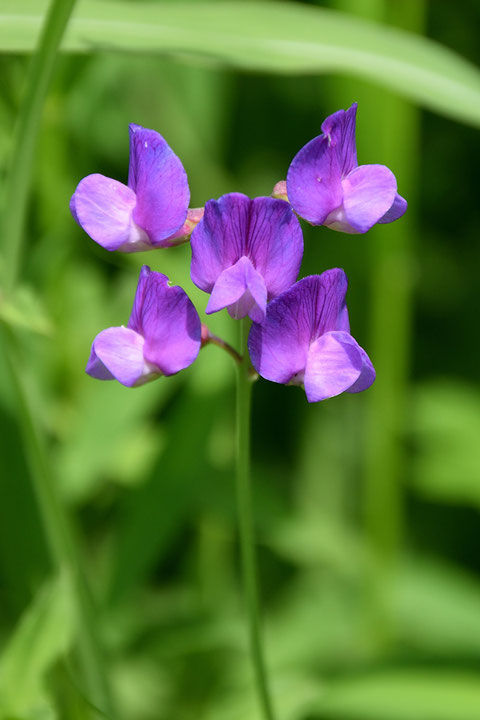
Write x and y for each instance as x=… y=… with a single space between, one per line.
x=360 y=622
x=273 y=37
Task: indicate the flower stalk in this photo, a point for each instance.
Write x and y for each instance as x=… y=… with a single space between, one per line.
x=245 y=520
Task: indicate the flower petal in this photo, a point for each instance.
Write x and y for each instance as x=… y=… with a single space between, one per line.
x=120 y=351
x=242 y=289
x=368 y=192
x=334 y=364
x=398 y=209
x=340 y=129
x=314 y=181
x=367 y=374
x=279 y=346
x=219 y=239
x=158 y=178
x=103 y=208
x=274 y=243
x=168 y=321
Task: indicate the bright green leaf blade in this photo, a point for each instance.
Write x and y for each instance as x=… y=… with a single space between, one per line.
x=411 y=694
x=25 y=310
x=269 y=37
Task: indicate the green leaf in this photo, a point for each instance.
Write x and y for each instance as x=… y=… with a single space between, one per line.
x=43 y=634
x=25 y=310
x=269 y=37
x=436 y=608
x=446 y=427
x=413 y=694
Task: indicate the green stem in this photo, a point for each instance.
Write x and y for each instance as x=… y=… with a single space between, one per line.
x=247 y=545
x=59 y=532
x=25 y=139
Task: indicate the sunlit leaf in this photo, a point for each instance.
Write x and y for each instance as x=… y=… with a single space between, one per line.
x=25 y=310
x=270 y=37
x=402 y=694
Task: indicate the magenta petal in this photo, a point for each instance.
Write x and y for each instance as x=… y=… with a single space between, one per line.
x=158 y=178
x=103 y=208
x=96 y=369
x=367 y=374
x=120 y=351
x=274 y=243
x=314 y=181
x=219 y=239
x=368 y=192
x=264 y=230
x=167 y=319
x=334 y=364
x=398 y=209
x=242 y=289
x=340 y=129
x=279 y=346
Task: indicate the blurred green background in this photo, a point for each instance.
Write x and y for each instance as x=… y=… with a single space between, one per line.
x=366 y=506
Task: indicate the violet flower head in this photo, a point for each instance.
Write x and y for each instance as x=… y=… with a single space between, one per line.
x=327 y=186
x=148 y=212
x=162 y=336
x=245 y=252
x=305 y=339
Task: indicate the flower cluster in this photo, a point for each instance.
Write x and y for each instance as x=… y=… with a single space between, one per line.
x=246 y=254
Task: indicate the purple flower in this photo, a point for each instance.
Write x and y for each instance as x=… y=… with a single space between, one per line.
x=327 y=186
x=245 y=252
x=305 y=339
x=162 y=336
x=149 y=212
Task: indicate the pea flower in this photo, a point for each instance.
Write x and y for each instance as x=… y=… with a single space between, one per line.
x=305 y=339
x=149 y=212
x=327 y=186
x=162 y=336
x=245 y=252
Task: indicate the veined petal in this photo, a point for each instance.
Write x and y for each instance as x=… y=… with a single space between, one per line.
x=324 y=297
x=167 y=320
x=279 y=347
x=334 y=364
x=120 y=351
x=314 y=181
x=219 y=240
x=242 y=289
x=274 y=243
x=340 y=129
x=158 y=178
x=368 y=192
x=264 y=229
x=103 y=207
x=398 y=209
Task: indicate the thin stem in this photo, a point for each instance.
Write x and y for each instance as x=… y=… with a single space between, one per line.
x=247 y=546
x=60 y=535
x=207 y=338
x=39 y=75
